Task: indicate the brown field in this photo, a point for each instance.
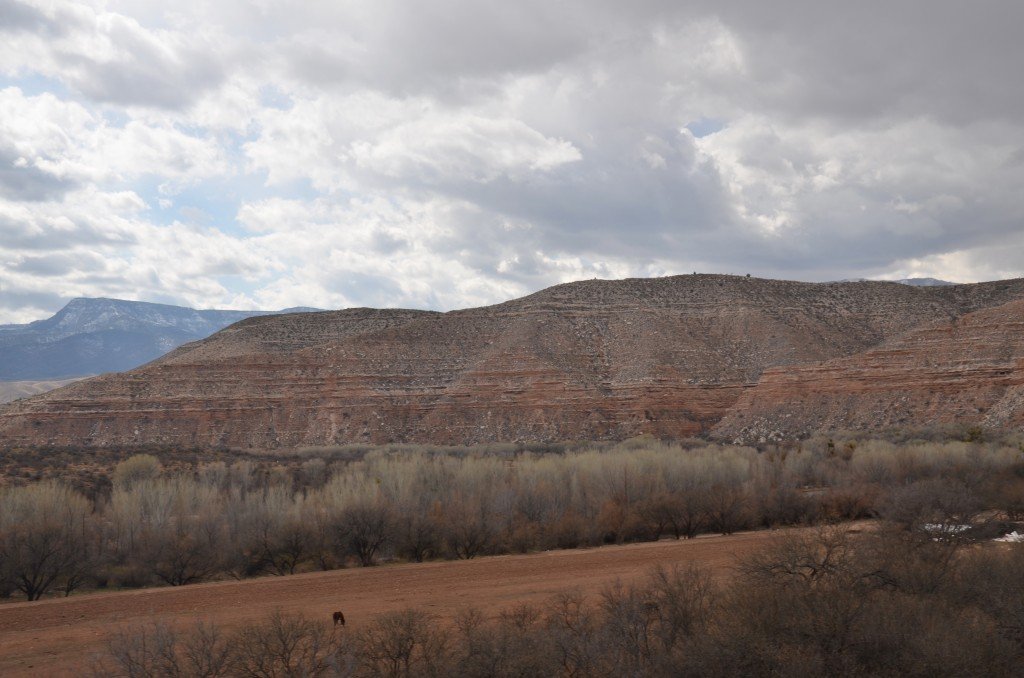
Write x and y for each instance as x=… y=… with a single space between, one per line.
x=58 y=637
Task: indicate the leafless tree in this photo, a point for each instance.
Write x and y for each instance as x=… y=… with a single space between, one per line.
x=45 y=531
x=363 y=529
x=289 y=645
x=403 y=645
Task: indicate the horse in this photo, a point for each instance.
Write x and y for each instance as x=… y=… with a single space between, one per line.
x=339 y=619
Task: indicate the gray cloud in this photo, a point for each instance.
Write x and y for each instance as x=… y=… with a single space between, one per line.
x=22 y=181
x=41 y=236
x=57 y=264
x=940 y=59
x=458 y=152
x=145 y=72
x=16 y=15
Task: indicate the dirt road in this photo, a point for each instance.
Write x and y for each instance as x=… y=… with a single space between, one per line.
x=58 y=637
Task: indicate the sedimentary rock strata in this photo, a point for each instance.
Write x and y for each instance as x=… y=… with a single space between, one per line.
x=968 y=370
x=586 y=360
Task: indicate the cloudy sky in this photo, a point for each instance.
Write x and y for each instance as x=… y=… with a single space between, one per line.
x=450 y=153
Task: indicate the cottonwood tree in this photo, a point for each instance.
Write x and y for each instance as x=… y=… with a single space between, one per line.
x=469 y=530
x=726 y=508
x=135 y=469
x=181 y=556
x=418 y=534
x=274 y=532
x=45 y=530
x=363 y=529
x=183 y=531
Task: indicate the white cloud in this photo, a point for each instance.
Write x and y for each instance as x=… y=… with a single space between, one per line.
x=451 y=149
x=111 y=57
x=460 y=152
x=67 y=141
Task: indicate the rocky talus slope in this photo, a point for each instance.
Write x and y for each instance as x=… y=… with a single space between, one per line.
x=966 y=370
x=585 y=360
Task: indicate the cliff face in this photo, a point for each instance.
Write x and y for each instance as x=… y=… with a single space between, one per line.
x=587 y=360
x=969 y=370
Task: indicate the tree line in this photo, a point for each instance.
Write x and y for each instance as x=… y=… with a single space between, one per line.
x=409 y=504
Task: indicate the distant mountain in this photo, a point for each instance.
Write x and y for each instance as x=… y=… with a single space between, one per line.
x=912 y=282
x=924 y=282
x=92 y=336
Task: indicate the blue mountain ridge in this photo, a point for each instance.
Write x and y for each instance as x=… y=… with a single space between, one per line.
x=92 y=336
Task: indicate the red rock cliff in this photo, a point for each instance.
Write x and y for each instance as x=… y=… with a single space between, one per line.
x=587 y=360
x=969 y=371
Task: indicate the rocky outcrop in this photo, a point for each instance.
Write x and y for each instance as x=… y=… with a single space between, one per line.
x=586 y=360
x=968 y=370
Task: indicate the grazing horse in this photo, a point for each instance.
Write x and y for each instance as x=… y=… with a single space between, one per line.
x=339 y=618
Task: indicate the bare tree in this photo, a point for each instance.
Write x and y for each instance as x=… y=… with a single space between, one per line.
x=288 y=645
x=726 y=507
x=180 y=557
x=363 y=529
x=418 y=536
x=150 y=652
x=469 y=531
x=403 y=645
x=45 y=530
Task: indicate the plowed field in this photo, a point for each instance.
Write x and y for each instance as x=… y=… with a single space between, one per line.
x=57 y=637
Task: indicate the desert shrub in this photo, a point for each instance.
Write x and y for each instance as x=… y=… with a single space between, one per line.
x=993 y=580
x=151 y=651
x=514 y=644
x=832 y=603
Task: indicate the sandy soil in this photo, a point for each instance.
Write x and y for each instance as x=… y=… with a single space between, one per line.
x=58 y=637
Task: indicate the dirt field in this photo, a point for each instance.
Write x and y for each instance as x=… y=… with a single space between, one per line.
x=58 y=637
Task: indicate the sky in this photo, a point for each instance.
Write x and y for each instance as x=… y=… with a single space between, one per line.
x=451 y=153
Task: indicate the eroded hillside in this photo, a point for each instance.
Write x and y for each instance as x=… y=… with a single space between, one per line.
x=968 y=370
x=585 y=360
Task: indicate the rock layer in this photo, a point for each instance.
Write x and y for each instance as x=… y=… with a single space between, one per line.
x=586 y=360
x=966 y=371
